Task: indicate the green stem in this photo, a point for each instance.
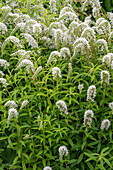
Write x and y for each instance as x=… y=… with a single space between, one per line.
x=104 y=93
x=85 y=146
x=43 y=135
x=33 y=150
x=19 y=142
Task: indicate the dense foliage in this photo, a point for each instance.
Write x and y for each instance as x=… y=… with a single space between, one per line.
x=107 y=5
x=56 y=85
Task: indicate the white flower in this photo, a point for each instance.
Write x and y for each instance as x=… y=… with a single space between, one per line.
x=6 y=8
x=68 y=16
x=3 y=28
x=3 y=81
x=20 y=26
x=52 y=57
x=65 y=9
x=62 y=106
x=73 y=28
x=110 y=38
x=37 y=71
x=47 y=168
x=4 y=63
x=107 y=59
x=105 y=76
x=88 y=20
x=26 y=63
x=81 y=27
x=31 y=41
x=88 y=118
x=22 y=18
x=26 y=136
x=105 y=124
x=82 y=45
x=62 y=151
x=89 y=34
x=65 y=52
x=91 y=93
x=1 y=73
x=56 y=73
x=67 y=40
x=99 y=20
x=103 y=44
x=96 y=7
x=111 y=106
x=12 y=113
x=37 y=29
x=103 y=27
x=13 y=39
x=112 y=65
x=11 y=104
x=53 y=6
x=58 y=34
x=80 y=87
x=24 y=103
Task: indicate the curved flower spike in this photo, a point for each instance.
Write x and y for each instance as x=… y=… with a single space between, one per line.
x=62 y=106
x=105 y=124
x=13 y=39
x=103 y=44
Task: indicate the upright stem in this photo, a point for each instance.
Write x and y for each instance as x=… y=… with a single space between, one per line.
x=43 y=135
x=19 y=142
x=33 y=150
x=57 y=96
x=57 y=89
x=85 y=146
x=104 y=92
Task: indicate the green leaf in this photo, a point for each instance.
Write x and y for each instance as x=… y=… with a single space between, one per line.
x=23 y=165
x=107 y=161
x=71 y=142
x=90 y=166
x=80 y=158
x=34 y=167
x=3 y=138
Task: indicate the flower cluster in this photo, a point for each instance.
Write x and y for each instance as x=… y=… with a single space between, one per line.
x=28 y=64
x=1 y=73
x=82 y=45
x=111 y=106
x=4 y=82
x=63 y=151
x=80 y=87
x=12 y=113
x=4 y=63
x=91 y=93
x=105 y=124
x=11 y=104
x=52 y=57
x=3 y=28
x=88 y=118
x=62 y=106
x=89 y=34
x=65 y=52
x=24 y=103
x=107 y=59
x=105 y=76
x=103 y=44
x=31 y=41
x=37 y=71
x=13 y=39
x=96 y=7
x=56 y=73
x=47 y=168
x=53 y=6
